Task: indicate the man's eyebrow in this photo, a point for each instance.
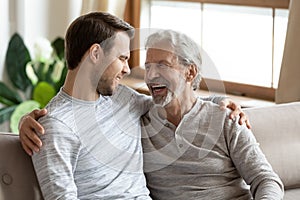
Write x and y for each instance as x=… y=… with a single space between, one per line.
x=158 y=62
x=165 y=62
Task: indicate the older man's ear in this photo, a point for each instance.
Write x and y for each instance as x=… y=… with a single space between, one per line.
x=191 y=72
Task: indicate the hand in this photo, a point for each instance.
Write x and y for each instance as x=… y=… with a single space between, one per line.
x=236 y=111
x=28 y=129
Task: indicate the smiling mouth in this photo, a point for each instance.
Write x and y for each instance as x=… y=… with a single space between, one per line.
x=158 y=89
x=118 y=78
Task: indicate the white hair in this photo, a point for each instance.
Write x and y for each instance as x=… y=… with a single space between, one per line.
x=185 y=48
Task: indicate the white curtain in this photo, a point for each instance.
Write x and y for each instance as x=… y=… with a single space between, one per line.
x=7 y=26
x=289 y=81
x=115 y=7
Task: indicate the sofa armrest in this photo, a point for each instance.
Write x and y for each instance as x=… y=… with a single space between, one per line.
x=17 y=176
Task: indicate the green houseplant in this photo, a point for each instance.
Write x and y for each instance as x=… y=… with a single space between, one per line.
x=33 y=81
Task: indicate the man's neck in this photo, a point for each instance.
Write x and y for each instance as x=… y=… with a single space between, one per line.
x=178 y=107
x=79 y=87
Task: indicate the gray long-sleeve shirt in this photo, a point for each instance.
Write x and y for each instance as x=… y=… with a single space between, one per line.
x=208 y=156
x=92 y=150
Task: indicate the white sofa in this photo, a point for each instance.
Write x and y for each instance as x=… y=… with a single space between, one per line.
x=277 y=129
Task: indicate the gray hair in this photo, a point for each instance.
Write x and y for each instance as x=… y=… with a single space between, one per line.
x=185 y=48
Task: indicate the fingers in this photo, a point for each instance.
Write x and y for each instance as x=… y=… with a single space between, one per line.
x=224 y=104
x=36 y=114
x=237 y=111
x=235 y=108
x=28 y=122
x=27 y=150
x=30 y=145
x=244 y=120
x=30 y=141
x=28 y=129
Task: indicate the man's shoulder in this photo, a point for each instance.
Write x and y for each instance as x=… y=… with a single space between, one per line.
x=58 y=104
x=213 y=110
x=210 y=106
x=126 y=95
x=59 y=109
x=123 y=90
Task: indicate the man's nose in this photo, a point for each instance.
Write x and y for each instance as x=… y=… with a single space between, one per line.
x=152 y=72
x=126 y=68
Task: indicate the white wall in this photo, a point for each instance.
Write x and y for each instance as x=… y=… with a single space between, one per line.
x=33 y=19
x=4 y=36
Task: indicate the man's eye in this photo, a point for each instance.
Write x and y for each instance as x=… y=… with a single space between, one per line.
x=123 y=58
x=147 y=67
x=156 y=65
x=161 y=65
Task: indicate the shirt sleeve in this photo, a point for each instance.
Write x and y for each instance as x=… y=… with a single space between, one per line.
x=214 y=98
x=143 y=103
x=55 y=162
x=252 y=163
x=140 y=103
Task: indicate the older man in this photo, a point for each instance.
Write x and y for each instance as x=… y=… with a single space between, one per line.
x=191 y=148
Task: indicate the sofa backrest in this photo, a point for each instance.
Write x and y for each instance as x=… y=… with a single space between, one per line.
x=277 y=130
x=17 y=177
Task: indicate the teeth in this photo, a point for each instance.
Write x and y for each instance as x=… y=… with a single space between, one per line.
x=158 y=86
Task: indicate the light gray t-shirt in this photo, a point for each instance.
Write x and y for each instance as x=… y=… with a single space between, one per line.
x=92 y=150
x=207 y=156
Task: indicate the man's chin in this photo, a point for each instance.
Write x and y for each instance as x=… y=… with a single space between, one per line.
x=162 y=101
x=107 y=92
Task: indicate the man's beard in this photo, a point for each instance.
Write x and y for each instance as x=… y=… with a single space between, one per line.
x=165 y=101
x=105 y=88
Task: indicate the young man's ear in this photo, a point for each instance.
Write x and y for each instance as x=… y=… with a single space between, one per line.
x=96 y=52
x=191 y=72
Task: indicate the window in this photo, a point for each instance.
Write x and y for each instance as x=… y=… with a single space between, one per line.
x=245 y=43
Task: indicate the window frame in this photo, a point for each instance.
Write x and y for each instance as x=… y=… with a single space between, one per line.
x=239 y=89
x=256 y=3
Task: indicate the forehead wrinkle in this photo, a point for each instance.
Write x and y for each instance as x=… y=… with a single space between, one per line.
x=157 y=55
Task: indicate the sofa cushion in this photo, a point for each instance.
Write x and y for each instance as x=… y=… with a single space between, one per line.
x=17 y=177
x=291 y=194
x=276 y=129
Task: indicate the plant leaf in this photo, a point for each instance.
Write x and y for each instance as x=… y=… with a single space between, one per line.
x=59 y=47
x=40 y=70
x=17 y=56
x=8 y=96
x=21 y=109
x=31 y=73
x=48 y=77
x=43 y=93
x=6 y=112
x=62 y=78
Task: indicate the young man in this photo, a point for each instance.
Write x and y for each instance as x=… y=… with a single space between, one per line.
x=92 y=132
x=192 y=150
x=92 y=140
